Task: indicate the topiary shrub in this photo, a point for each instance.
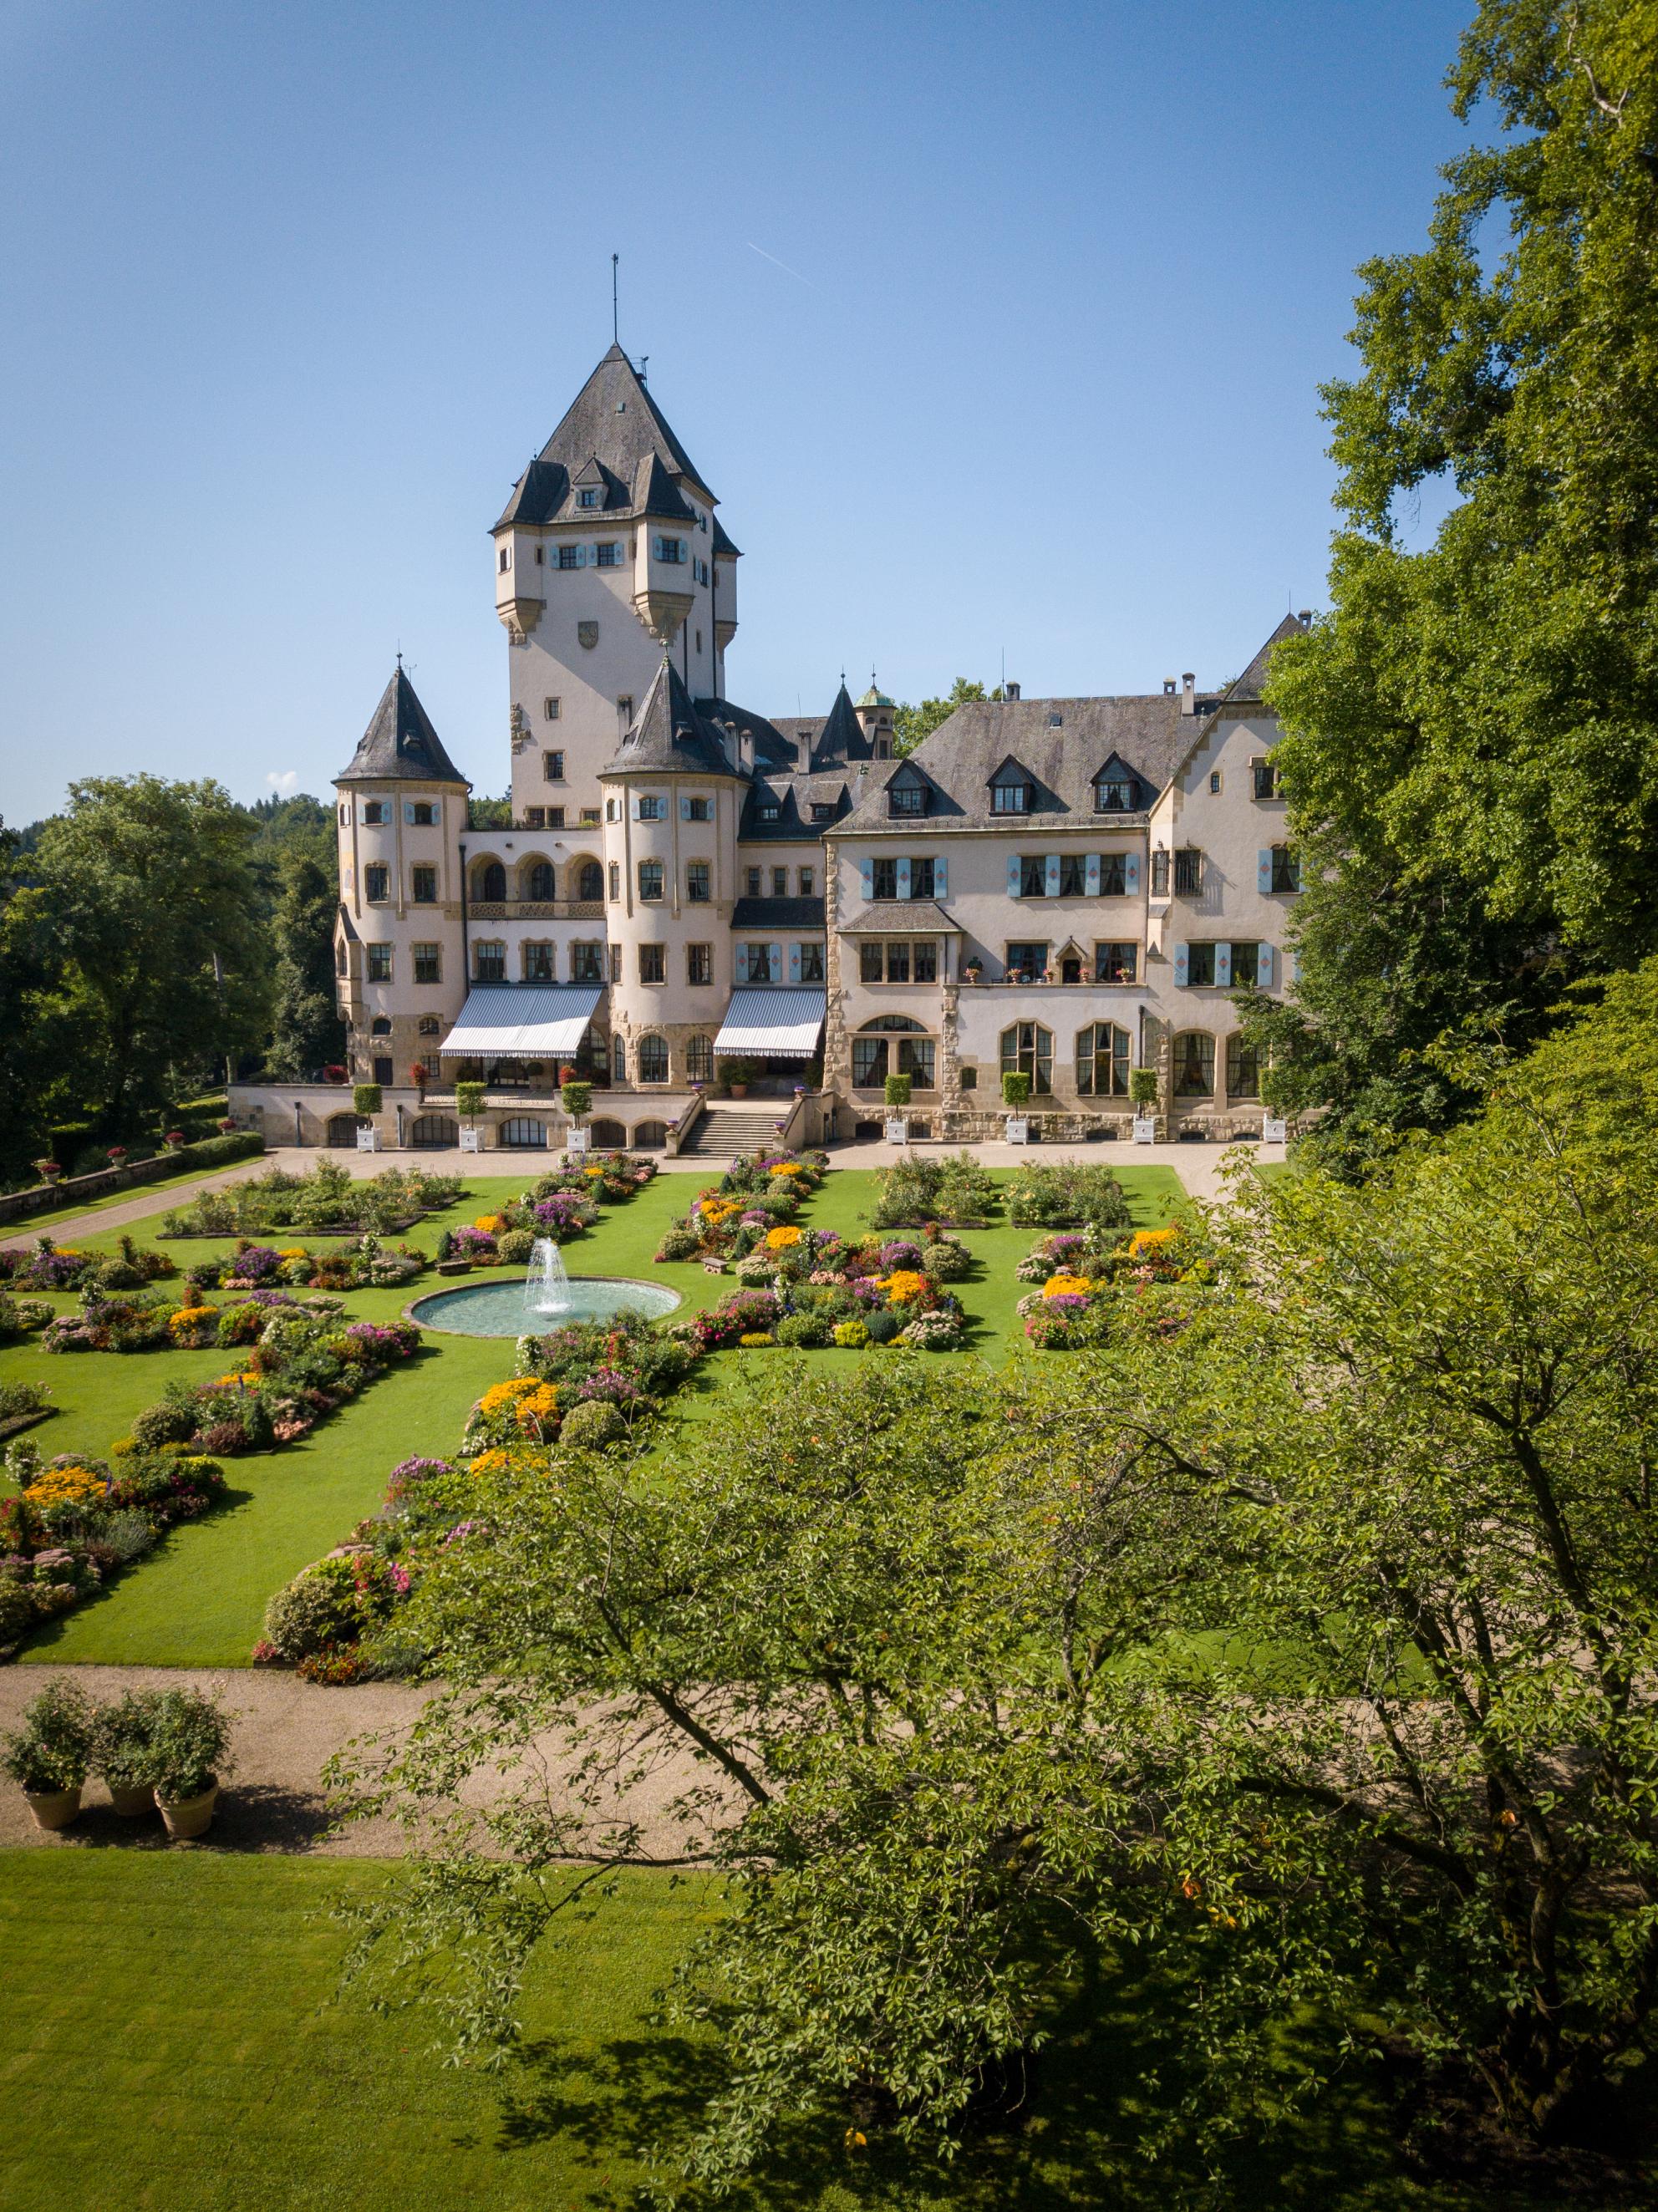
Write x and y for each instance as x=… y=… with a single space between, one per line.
x=946 y=1261
x=162 y=1424
x=366 y=1098
x=576 y=1099
x=469 y=1099
x=591 y=1426
x=309 y=1614
x=515 y=1245
x=805 y=1332
x=897 y=1089
x=1143 y=1086
x=1016 y=1087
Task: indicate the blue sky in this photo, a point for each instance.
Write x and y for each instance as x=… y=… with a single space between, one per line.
x=288 y=295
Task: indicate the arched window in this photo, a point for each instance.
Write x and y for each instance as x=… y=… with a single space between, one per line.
x=380 y=1026
x=1102 y=1061
x=343 y=1132
x=524 y=1135
x=590 y=883
x=489 y=883
x=607 y=1136
x=892 y=1044
x=1194 y=1065
x=1243 y=1068
x=1027 y=1049
x=650 y=1136
x=618 y=1059
x=434 y=1132
x=652 y=1059
x=430 y=1025
x=538 y=881
x=699 y=1060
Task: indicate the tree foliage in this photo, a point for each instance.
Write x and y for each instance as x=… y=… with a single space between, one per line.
x=307 y=1031
x=911 y=723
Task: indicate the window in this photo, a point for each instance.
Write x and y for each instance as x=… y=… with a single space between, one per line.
x=926 y=961
x=1010 y=799
x=760 y=963
x=768 y=810
x=1073 y=875
x=871 y=963
x=523 y=1134
x=373 y=811
x=822 y=810
x=807 y=880
x=1113 y=794
x=588 y=495
x=699 y=1058
x=541 y=556
x=616 y=879
x=537 y=963
x=1264 y=776
x=873 y=1056
x=551 y=711
x=618 y=1061
x=423 y=814
x=1188 y=872
x=379 y=963
x=423 y=885
x=502 y=559
x=652 y=1060
x=616 y=963
x=812 y=964
x=1200 y=963
x=898 y=962
x=428 y=964
x=779 y=883
x=669 y=549
x=590 y=817
x=1195 y=1065
x=699 y=963
x=384 y=1072
x=915 y=1060
x=1116 y=964
x=380 y=1026
x=624 y=707
x=920 y=878
x=1214 y=781
x=1102 y=1061
x=610 y=809
x=490 y=961
x=1113 y=875
x=608 y=556
x=535 y=818
x=906 y=799
x=883 y=879
x=1032 y=876
x=538 y=881
x=1027 y=1049
x=1246 y=963
x=969 y=1078
x=1027 y=962
x=552 y=764
x=428 y=1024
x=650 y=881
x=1056 y=721
x=1160 y=872
x=554 y=818
x=751 y=882
x=869 y=1063
x=587 y=964
x=570 y=556
x=699 y=809
x=698 y=882
x=590 y=882
x=345 y=814
x=650 y=806
x=489 y=883
x=1243 y=1068
x=1286 y=870
x=652 y=964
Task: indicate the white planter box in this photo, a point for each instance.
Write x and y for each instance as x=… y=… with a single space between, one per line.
x=469 y=1142
x=1274 y=1131
x=897 y=1131
x=368 y=1140
x=1145 y=1132
x=1018 y=1131
x=578 y=1141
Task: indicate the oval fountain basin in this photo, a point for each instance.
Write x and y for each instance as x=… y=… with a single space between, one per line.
x=498 y=1308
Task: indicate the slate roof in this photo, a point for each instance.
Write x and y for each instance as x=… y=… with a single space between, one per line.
x=670 y=732
x=778 y=913
x=1252 y=681
x=771 y=747
x=400 y=743
x=900 y=918
x=614 y=420
x=841 y=737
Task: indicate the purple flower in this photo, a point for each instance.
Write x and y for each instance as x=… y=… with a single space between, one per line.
x=254 y=1265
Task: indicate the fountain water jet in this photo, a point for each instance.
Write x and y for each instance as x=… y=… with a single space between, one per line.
x=546 y=1284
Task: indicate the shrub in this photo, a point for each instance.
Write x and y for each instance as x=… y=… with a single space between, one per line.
x=898 y=1090
x=922 y=1189
x=189 y=1745
x=20 y=1399
x=315 y=1610
x=592 y=1425
x=1040 y=1195
x=128 y=1534
x=515 y=1246
x=365 y=1099
x=678 y=1243
x=17 y=1614
x=883 y=1324
x=852 y=1335
x=576 y=1099
x=469 y=1099
x=804 y=1331
x=167 y=1423
x=1016 y=1087
x=122 y=1749
x=50 y=1751
x=1143 y=1086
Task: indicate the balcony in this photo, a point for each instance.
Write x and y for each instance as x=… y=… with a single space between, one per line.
x=537 y=910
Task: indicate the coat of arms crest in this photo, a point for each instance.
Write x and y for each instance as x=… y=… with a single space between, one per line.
x=588 y=633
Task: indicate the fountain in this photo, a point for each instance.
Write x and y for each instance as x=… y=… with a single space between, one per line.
x=547 y=1285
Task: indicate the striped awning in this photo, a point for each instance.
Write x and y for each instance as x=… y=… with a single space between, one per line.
x=522 y=1021
x=773 y=1023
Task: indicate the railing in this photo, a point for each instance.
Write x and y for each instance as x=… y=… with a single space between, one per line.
x=679 y=1130
x=537 y=910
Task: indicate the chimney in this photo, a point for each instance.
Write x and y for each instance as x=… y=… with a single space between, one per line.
x=746 y=751
x=1305 y=616
x=1188 y=693
x=1010 y=690
x=1168 y=687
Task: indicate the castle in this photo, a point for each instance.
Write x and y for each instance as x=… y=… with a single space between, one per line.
x=689 y=891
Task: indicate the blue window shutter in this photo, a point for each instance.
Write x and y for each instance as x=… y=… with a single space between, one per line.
x=1130 y=874
x=1264 y=966
x=776 y=964
x=868 y=868
x=1013 y=875
x=684 y=810
x=795 y=964
x=941 y=880
x=1092 y=874
x=1223 y=963
x=1264 y=869
x=903 y=879
x=1179 y=963
x=1051 y=873
x=409 y=811
x=742 y=971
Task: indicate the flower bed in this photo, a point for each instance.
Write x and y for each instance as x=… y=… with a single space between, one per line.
x=811 y=1288
x=727 y=1219
x=327 y=1202
x=1041 y=1196
x=607 y=1176
x=367 y=1264
x=300 y=1362
x=508 y=1235
x=49 y=1266
x=953 y=1188
x=75 y=1522
x=22 y=1405
x=20 y=1317
x=1087 y=1277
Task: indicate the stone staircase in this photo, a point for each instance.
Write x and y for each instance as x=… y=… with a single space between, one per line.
x=726 y=1130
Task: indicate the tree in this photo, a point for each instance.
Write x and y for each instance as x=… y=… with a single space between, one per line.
x=141 y=912
x=307 y=1031
x=1469 y=734
x=911 y=724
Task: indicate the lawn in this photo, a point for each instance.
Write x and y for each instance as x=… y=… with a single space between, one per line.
x=170 y=2038
x=199 y=1598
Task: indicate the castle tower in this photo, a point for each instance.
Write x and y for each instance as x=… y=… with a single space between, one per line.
x=875 y=711
x=398 y=956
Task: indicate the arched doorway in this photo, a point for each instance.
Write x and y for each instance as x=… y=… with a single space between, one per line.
x=607 y=1136
x=523 y=1134
x=434 y=1132
x=342 y=1132
x=651 y=1137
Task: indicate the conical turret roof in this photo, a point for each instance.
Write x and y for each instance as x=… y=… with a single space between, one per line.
x=401 y=743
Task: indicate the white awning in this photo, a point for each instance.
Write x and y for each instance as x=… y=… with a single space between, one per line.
x=522 y=1021
x=773 y=1023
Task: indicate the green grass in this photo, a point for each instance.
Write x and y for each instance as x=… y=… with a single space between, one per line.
x=170 y=2038
x=22 y=1231
x=199 y=1598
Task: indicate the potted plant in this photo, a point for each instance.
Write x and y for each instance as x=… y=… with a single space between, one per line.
x=365 y=1100
x=48 y=1755
x=188 y=1756
x=898 y=1091
x=333 y=1072
x=738 y=1074
x=117 y=1155
x=48 y=1170
x=122 y=1751
x=1015 y=1087
x=175 y=1140
x=227 y=1128
x=975 y=969
x=1143 y=1087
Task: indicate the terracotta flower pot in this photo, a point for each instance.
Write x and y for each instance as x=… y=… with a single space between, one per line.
x=54 y=1808
x=131 y=1800
x=737 y=1089
x=186 y=1817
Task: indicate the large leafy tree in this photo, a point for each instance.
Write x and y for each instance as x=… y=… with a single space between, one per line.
x=307 y=1030
x=911 y=723
x=141 y=916
x=1469 y=732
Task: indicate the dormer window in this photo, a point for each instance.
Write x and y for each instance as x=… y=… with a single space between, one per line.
x=906 y=799
x=1116 y=789
x=821 y=812
x=1012 y=791
x=588 y=496
x=767 y=810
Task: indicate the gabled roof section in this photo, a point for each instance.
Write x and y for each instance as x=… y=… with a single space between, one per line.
x=654 y=492
x=722 y=544
x=772 y=748
x=614 y=420
x=669 y=733
x=910 y=776
x=1253 y=682
x=400 y=743
x=1010 y=769
x=538 y=495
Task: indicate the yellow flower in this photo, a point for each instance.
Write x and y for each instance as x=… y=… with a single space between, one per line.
x=490 y=1463
x=1145 y=1241
x=541 y=1405
x=293 y=1252
x=1067 y=1286
x=788 y=1167
x=755 y=1338
x=488 y=1222
x=904 y=1286
x=502 y=1397
x=778 y=1240
x=592 y=1171
x=66 y=1486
